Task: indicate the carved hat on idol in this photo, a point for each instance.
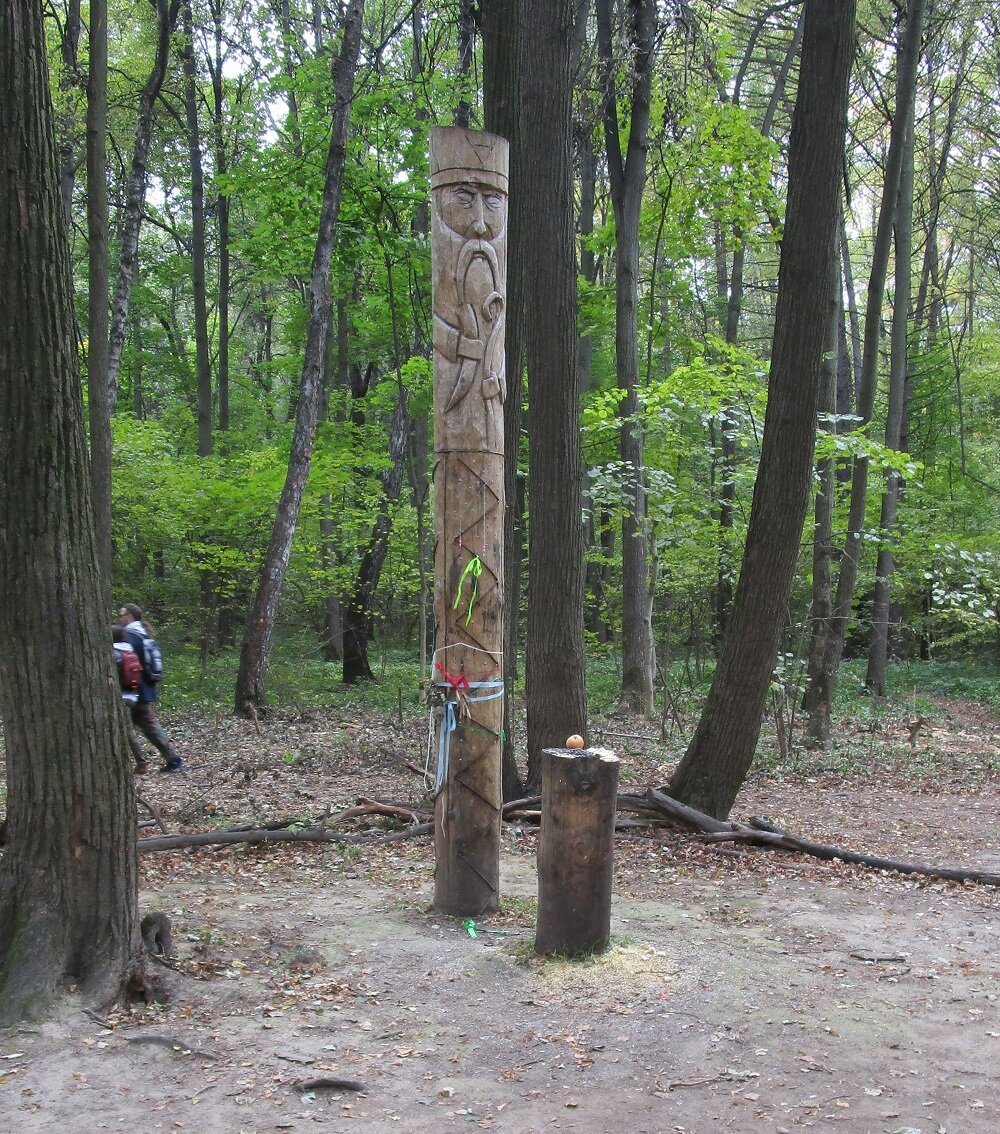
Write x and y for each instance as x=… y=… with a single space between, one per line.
x=459 y=155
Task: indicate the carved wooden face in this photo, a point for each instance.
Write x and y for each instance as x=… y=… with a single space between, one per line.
x=473 y=211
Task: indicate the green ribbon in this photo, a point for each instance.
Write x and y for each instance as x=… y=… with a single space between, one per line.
x=474 y=568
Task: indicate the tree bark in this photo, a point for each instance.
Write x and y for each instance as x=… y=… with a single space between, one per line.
x=720 y=754
x=576 y=851
x=628 y=178
x=501 y=87
x=68 y=874
x=556 y=665
x=250 y=683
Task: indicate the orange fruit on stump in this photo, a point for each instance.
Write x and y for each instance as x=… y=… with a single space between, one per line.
x=574 y=741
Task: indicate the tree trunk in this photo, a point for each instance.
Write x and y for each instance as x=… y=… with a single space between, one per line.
x=466 y=53
x=731 y=291
x=722 y=749
x=98 y=402
x=221 y=214
x=250 y=690
x=628 y=178
x=69 y=873
x=203 y=367
x=556 y=665
x=576 y=851
x=878 y=647
x=69 y=77
x=135 y=195
x=817 y=699
x=356 y=614
x=501 y=97
x=906 y=71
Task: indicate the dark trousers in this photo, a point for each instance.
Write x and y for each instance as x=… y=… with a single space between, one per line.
x=144 y=718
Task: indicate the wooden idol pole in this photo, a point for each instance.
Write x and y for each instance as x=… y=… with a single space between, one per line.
x=469 y=269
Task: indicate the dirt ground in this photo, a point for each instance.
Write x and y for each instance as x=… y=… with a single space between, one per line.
x=745 y=990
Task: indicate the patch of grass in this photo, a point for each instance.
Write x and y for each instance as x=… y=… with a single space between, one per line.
x=519 y=907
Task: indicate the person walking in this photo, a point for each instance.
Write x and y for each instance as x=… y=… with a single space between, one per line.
x=129 y=679
x=139 y=634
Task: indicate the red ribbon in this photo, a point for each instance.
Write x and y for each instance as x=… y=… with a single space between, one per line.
x=457 y=683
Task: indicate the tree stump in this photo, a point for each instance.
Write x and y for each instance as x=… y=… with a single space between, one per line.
x=576 y=850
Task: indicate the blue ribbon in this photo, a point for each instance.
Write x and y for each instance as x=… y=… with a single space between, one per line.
x=449 y=722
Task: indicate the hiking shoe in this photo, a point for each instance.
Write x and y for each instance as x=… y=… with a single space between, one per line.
x=141 y=767
x=175 y=767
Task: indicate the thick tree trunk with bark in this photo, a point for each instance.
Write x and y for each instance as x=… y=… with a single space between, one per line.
x=68 y=873
x=556 y=666
x=250 y=683
x=501 y=86
x=576 y=851
x=722 y=749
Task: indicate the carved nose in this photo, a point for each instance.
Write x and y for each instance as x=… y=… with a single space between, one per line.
x=478 y=222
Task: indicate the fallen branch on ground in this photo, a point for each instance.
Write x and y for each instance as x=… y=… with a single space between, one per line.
x=760 y=833
x=269 y=835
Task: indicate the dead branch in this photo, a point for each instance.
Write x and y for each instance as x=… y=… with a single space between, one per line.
x=157 y=817
x=257 y=835
x=763 y=834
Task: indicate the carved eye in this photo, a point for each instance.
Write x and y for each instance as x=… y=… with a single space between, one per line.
x=465 y=197
x=494 y=202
